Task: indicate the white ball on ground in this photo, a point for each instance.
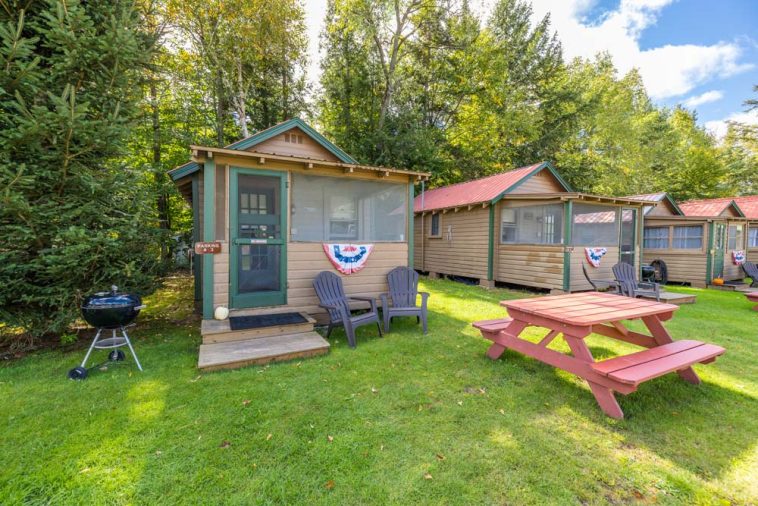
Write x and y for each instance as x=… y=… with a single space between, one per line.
x=221 y=313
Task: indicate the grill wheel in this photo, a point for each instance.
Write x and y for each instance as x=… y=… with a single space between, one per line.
x=77 y=373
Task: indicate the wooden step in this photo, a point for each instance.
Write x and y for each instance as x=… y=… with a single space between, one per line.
x=637 y=367
x=262 y=350
x=219 y=331
x=673 y=298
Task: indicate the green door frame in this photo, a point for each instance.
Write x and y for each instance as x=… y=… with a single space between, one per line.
x=720 y=231
x=634 y=233
x=256 y=299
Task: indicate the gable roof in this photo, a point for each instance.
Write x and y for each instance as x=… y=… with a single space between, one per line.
x=658 y=197
x=710 y=208
x=264 y=135
x=486 y=189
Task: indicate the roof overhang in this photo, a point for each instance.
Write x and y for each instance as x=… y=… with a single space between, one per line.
x=560 y=197
x=202 y=153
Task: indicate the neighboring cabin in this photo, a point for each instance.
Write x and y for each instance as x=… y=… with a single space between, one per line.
x=695 y=239
x=273 y=200
x=523 y=227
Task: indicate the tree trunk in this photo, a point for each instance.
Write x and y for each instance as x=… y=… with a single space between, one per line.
x=219 y=109
x=241 y=107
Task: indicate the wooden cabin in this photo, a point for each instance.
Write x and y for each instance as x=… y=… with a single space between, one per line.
x=270 y=204
x=525 y=227
x=694 y=239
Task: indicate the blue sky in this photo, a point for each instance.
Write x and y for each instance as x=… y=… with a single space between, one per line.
x=700 y=53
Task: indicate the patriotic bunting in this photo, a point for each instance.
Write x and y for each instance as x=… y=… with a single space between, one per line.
x=594 y=255
x=348 y=258
x=738 y=257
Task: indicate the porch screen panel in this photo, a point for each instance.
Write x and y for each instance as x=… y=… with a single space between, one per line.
x=688 y=237
x=735 y=237
x=753 y=238
x=532 y=225
x=330 y=209
x=595 y=225
x=656 y=238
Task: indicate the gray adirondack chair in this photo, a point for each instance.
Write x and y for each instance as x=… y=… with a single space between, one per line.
x=403 y=285
x=751 y=270
x=630 y=286
x=600 y=285
x=332 y=296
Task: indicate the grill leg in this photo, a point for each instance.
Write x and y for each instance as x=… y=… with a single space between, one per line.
x=129 y=343
x=91 y=347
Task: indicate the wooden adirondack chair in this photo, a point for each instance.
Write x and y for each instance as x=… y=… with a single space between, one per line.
x=751 y=270
x=403 y=285
x=600 y=285
x=629 y=286
x=332 y=296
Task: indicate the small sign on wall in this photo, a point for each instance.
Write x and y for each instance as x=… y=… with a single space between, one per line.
x=207 y=248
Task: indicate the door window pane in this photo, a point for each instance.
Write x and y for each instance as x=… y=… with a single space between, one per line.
x=753 y=237
x=340 y=209
x=595 y=225
x=532 y=225
x=655 y=238
x=735 y=237
x=688 y=237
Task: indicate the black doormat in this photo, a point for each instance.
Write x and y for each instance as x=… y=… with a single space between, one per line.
x=734 y=283
x=264 y=320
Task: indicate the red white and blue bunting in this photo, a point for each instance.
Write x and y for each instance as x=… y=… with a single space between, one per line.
x=594 y=255
x=738 y=257
x=348 y=258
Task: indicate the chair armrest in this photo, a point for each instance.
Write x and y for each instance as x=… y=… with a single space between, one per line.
x=371 y=300
x=335 y=307
x=424 y=298
x=384 y=297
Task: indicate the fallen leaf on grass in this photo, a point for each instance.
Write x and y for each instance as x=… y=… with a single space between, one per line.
x=246 y=402
x=329 y=484
x=374 y=390
x=460 y=403
x=225 y=444
x=440 y=456
x=194 y=380
x=381 y=447
x=330 y=438
x=158 y=453
x=427 y=476
x=502 y=411
x=85 y=470
x=269 y=437
x=104 y=368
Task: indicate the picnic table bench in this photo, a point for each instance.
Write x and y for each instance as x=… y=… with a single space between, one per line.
x=575 y=316
x=753 y=297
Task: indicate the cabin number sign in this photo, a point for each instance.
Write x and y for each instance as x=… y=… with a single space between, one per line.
x=348 y=258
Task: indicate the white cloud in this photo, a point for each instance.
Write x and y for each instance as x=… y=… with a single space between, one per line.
x=703 y=98
x=718 y=127
x=668 y=71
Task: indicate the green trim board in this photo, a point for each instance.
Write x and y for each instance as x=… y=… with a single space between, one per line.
x=197 y=267
x=709 y=256
x=673 y=204
x=567 y=210
x=491 y=245
x=410 y=218
x=273 y=298
x=544 y=165
x=209 y=226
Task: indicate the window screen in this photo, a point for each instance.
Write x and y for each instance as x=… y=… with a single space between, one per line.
x=595 y=225
x=343 y=209
x=735 y=237
x=688 y=237
x=655 y=238
x=434 y=229
x=532 y=225
x=753 y=237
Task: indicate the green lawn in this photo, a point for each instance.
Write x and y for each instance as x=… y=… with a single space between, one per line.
x=405 y=419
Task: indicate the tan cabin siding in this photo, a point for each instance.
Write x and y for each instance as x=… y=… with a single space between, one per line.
x=577 y=281
x=418 y=258
x=542 y=182
x=538 y=266
x=662 y=209
x=306 y=260
x=461 y=249
x=683 y=265
x=304 y=147
x=752 y=253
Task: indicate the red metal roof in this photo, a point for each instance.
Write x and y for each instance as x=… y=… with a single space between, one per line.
x=476 y=191
x=711 y=208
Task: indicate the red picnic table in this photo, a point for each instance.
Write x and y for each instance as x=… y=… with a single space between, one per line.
x=578 y=315
x=753 y=297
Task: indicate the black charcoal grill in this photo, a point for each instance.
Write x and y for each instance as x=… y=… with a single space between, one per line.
x=112 y=311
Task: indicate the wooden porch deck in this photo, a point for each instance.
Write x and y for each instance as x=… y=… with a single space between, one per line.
x=224 y=348
x=674 y=298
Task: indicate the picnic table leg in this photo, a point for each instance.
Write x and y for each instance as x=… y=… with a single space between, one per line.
x=662 y=336
x=603 y=395
x=514 y=328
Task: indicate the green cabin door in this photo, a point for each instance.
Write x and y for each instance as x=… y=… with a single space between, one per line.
x=628 y=241
x=719 y=246
x=258 y=226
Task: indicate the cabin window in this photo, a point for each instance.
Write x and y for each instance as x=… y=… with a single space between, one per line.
x=595 y=225
x=688 y=237
x=532 y=224
x=434 y=226
x=753 y=237
x=326 y=209
x=655 y=238
x=735 y=237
